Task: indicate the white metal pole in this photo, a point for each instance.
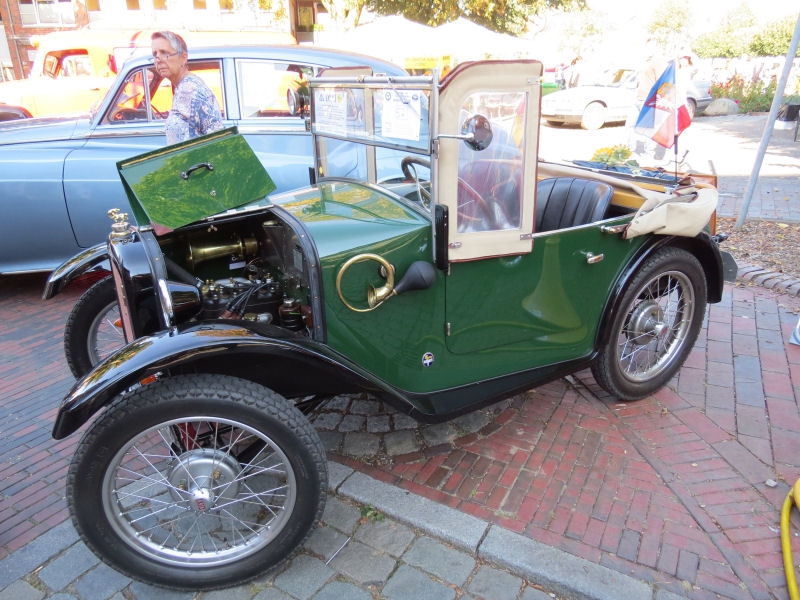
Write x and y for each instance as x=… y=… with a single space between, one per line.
x=773 y=113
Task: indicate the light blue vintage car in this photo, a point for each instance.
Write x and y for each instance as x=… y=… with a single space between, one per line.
x=58 y=175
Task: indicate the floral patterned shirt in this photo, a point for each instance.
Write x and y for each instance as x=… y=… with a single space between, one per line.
x=195 y=111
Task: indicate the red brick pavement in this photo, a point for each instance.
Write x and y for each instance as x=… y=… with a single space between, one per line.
x=671 y=489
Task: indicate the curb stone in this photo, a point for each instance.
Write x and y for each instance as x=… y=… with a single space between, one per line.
x=771 y=280
x=554 y=569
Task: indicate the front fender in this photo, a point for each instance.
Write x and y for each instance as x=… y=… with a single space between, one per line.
x=73 y=268
x=281 y=361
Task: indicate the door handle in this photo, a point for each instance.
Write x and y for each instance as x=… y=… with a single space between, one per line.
x=592 y=258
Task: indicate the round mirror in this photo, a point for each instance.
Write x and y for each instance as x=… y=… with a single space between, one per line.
x=479 y=132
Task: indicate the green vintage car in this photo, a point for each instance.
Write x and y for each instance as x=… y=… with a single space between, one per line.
x=434 y=264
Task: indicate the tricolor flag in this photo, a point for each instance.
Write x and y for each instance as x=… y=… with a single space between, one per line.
x=664 y=114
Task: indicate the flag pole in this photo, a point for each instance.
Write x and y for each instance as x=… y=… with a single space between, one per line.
x=676 y=152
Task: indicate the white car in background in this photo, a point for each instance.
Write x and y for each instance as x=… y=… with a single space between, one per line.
x=609 y=98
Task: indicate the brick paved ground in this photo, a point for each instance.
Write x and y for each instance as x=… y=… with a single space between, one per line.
x=683 y=489
x=672 y=489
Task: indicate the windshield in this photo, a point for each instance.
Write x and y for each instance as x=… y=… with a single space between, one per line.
x=364 y=130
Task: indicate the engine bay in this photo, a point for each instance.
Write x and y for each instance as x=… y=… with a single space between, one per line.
x=251 y=268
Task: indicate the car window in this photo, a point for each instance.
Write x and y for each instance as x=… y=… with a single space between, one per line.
x=50 y=65
x=145 y=96
x=129 y=104
x=76 y=65
x=490 y=180
x=265 y=86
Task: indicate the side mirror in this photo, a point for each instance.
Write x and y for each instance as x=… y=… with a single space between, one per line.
x=298 y=100
x=477 y=132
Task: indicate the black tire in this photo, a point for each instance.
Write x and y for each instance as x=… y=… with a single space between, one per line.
x=93 y=330
x=691 y=106
x=197 y=482
x=662 y=311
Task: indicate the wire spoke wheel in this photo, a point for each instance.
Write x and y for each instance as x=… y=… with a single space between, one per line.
x=105 y=334
x=199 y=491
x=657 y=326
x=94 y=328
x=197 y=482
x=654 y=326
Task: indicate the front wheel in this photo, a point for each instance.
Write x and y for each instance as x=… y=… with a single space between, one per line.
x=594 y=116
x=659 y=319
x=197 y=482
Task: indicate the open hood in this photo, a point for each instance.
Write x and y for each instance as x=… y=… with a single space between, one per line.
x=188 y=182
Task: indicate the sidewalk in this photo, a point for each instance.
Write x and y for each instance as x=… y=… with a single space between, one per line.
x=560 y=490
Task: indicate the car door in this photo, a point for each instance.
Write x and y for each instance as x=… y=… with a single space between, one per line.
x=131 y=124
x=519 y=297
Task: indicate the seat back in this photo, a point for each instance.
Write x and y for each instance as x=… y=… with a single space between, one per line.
x=570 y=201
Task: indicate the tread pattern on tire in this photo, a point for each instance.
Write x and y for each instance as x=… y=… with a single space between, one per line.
x=91 y=302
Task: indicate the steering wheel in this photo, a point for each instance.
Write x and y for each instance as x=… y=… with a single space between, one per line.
x=473 y=208
x=410 y=173
x=126 y=114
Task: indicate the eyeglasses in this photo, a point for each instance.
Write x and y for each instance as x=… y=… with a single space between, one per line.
x=163 y=56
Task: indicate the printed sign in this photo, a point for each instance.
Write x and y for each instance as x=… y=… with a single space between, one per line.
x=401 y=114
x=339 y=111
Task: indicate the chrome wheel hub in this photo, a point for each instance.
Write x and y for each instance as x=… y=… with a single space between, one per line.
x=204 y=479
x=647 y=323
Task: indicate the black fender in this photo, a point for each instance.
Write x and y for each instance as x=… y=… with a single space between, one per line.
x=290 y=364
x=75 y=267
x=702 y=246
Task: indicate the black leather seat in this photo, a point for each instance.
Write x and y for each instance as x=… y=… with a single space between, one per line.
x=570 y=201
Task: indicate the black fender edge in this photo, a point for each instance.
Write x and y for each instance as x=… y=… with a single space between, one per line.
x=75 y=267
x=291 y=365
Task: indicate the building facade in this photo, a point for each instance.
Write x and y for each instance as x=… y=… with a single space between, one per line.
x=24 y=20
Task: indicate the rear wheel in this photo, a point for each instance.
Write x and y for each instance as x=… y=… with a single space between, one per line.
x=197 y=482
x=659 y=319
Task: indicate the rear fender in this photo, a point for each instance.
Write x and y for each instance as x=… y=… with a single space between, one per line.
x=289 y=364
x=75 y=267
x=702 y=246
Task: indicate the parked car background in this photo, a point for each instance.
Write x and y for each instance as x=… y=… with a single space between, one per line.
x=58 y=176
x=608 y=97
x=73 y=70
x=9 y=112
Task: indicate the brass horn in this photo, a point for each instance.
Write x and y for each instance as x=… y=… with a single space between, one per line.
x=200 y=250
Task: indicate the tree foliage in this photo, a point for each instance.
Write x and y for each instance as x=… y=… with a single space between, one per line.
x=344 y=13
x=670 y=23
x=774 y=38
x=731 y=38
x=740 y=35
x=505 y=16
